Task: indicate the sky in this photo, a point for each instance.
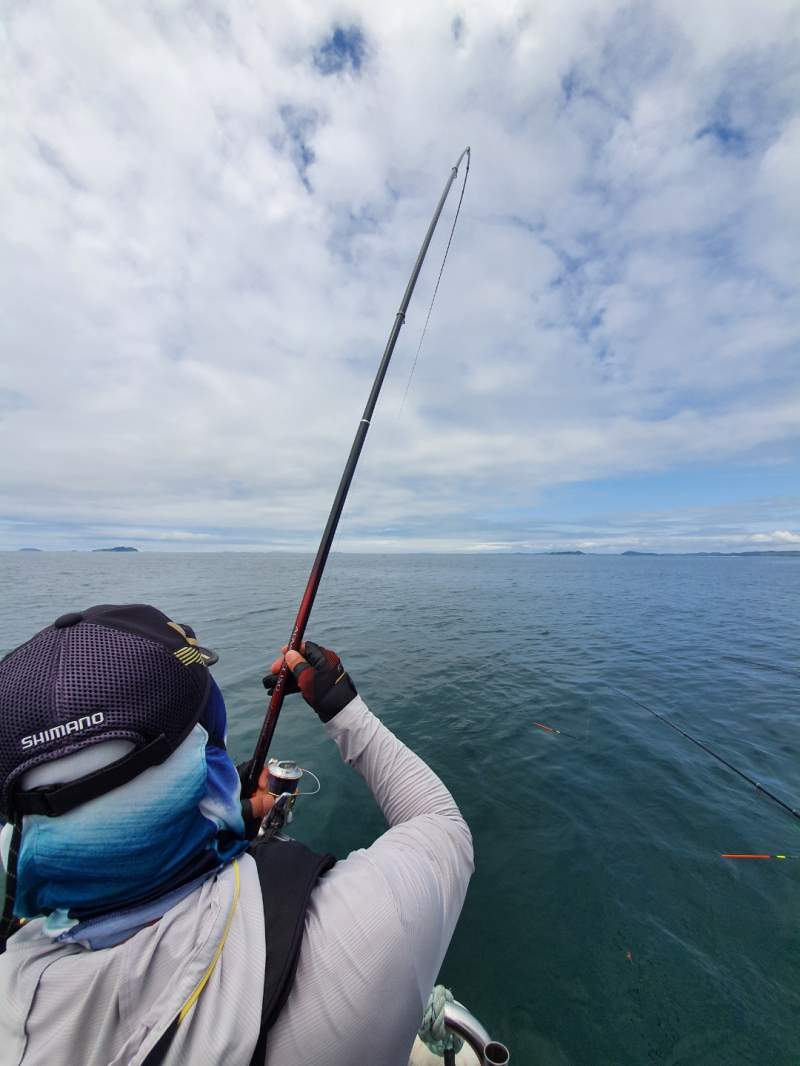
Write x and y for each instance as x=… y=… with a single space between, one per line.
x=209 y=212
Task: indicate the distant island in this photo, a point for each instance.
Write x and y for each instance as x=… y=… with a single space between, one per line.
x=789 y=554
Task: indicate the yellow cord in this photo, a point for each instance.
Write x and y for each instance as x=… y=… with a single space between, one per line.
x=192 y=999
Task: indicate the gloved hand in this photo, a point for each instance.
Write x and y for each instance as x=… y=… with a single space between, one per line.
x=320 y=677
x=259 y=804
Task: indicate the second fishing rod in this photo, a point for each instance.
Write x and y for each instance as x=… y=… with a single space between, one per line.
x=307 y=602
x=750 y=780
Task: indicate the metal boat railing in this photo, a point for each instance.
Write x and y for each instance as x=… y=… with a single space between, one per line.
x=459 y=1020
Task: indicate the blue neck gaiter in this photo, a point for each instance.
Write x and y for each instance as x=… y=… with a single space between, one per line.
x=121 y=847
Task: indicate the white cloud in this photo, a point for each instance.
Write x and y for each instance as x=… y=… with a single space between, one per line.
x=206 y=239
x=780 y=536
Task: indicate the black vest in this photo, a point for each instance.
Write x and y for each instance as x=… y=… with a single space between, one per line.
x=288 y=871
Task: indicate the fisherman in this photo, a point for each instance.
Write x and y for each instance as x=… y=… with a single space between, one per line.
x=154 y=931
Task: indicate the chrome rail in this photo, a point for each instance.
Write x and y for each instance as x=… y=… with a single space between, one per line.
x=459 y=1020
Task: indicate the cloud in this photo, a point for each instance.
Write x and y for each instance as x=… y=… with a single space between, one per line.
x=780 y=536
x=210 y=214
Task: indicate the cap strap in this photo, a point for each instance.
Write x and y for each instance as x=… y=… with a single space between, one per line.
x=52 y=800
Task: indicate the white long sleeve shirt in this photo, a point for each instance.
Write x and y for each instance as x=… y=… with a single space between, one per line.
x=376 y=932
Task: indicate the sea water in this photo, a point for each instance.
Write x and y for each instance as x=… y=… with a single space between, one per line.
x=602 y=926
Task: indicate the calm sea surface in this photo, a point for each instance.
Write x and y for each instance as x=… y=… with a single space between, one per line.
x=602 y=927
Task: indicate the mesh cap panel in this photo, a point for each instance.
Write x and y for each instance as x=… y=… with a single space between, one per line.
x=87 y=681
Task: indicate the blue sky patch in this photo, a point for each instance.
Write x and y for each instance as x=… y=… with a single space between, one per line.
x=299 y=126
x=729 y=139
x=345 y=49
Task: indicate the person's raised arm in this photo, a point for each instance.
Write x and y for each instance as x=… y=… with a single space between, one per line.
x=403 y=785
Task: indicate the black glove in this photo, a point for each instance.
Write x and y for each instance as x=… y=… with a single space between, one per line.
x=251 y=824
x=321 y=679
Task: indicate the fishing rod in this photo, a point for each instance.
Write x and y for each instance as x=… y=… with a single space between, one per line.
x=758 y=786
x=307 y=602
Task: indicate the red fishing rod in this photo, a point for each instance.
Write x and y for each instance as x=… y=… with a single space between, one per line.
x=278 y=693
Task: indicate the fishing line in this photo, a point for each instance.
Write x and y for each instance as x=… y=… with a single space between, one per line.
x=346 y=514
x=757 y=785
x=441 y=271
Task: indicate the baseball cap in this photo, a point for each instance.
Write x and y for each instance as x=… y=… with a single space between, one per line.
x=107 y=673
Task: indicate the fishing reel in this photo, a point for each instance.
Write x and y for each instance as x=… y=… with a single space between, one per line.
x=283 y=779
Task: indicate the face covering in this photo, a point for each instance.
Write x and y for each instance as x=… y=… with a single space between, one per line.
x=171 y=825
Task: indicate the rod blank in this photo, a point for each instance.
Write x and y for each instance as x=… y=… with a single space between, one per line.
x=307 y=602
